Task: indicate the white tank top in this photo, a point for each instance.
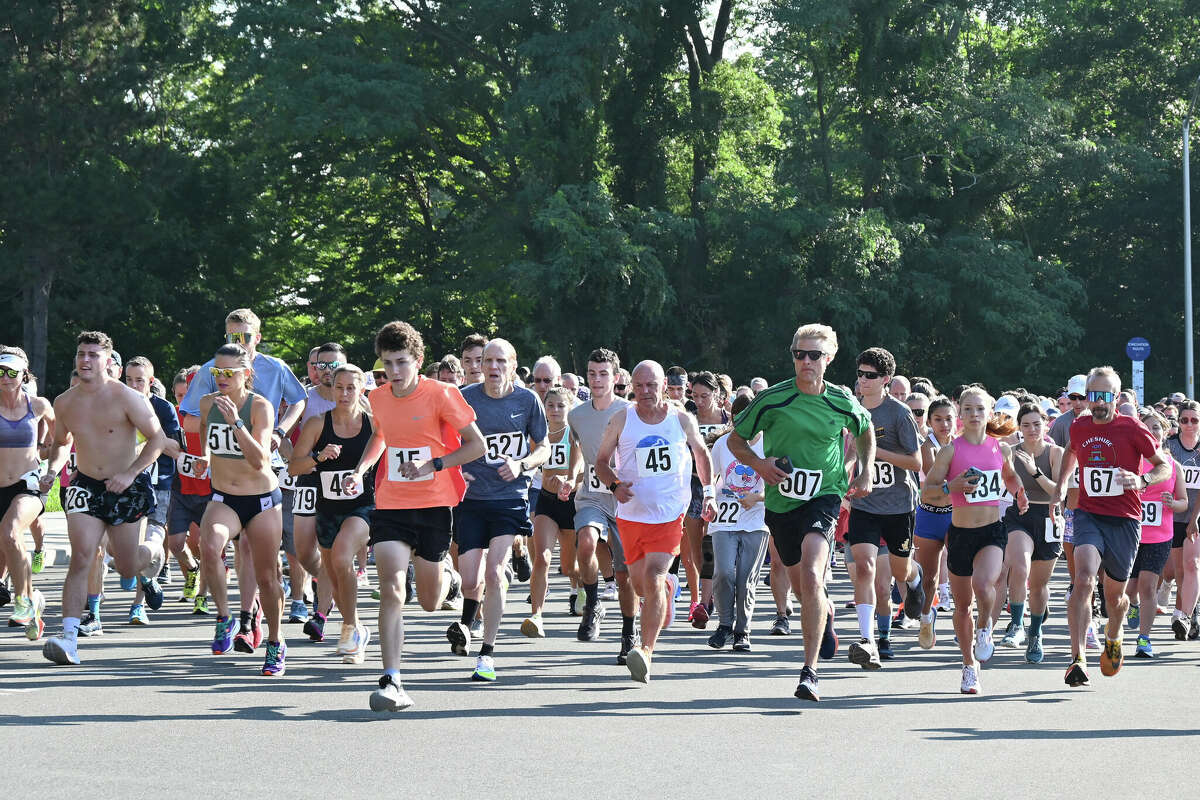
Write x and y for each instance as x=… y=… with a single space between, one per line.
x=656 y=461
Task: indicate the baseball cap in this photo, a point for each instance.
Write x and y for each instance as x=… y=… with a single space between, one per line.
x=1077 y=385
x=116 y=357
x=378 y=365
x=1007 y=405
x=1178 y=397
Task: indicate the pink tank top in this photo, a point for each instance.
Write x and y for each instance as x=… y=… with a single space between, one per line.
x=988 y=459
x=1158 y=520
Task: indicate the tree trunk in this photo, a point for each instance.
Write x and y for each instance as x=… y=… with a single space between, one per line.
x=36 y=314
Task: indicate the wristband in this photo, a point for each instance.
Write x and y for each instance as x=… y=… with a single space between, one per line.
x=710 y=493
x=437 y=464
x=612 y=487
x=282 y=433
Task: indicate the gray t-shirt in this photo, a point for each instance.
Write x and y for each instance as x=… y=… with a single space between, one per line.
x=507 y=424
x=1190 y=461
x=1060 y=431
x=894 y=489
x=316 y=405
x=587 y=426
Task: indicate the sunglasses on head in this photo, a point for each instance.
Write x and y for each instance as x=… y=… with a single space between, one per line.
x=328 y=365
x=867 y=374
x=10 y=373
x=811 y=355
x=239 y=338
x=225 y=372
x=1094 y=396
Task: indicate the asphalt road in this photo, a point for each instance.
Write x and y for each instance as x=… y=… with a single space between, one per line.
x=151 y=711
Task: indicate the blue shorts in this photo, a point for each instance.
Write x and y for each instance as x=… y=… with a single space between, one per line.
x=477 y=522
x=932 y=522
x=1117 y=539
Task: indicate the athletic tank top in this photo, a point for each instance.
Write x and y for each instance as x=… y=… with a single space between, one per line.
x=655 y=461
x=988 y=459
x=332 y=498
x=1158 y=520
x=560 y=455
x=221 y=436
x=1033 y=491
x=19 y=434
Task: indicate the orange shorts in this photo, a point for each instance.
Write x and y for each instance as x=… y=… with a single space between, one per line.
x=640 y=538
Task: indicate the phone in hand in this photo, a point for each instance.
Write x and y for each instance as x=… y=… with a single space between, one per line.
x=784 y=464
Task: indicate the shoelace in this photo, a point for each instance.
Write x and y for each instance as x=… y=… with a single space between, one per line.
x=273 y=653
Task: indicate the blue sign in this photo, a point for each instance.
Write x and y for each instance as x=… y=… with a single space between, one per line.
x=1137 y=348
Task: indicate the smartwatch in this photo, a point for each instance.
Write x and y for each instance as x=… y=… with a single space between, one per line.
x=437 y=464
x=239 y=423
x=612 y=487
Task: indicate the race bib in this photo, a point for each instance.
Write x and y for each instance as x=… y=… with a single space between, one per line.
x=333 y=486
x=706 y=430
x=728 y=512
x=559 y=456
x=991 y=487
x=1054 y=531
x=655 y=460
x=1102 y=482
x=500 y=446
x=304 y=501
x=286 y=479
x=1152 y=513
x=222 y=440
x=593 y=483
x=71 y=466
x=883 y=475
x=189 y=467
x=802 y=484
x=1191 y=477
x=78 y=499
x=33 y=480
x=401 y=455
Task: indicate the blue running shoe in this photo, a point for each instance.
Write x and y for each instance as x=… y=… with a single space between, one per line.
x=227 y=628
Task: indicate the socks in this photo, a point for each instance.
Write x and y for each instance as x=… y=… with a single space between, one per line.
x=469 y=609
x=627 y=626
x=592 y=593
x=70 y=627
x=1035 y=624
x=865 y=613
x=1018 y=612
x=884 y=621
x=486 y=649
x=245 y=620
x=393 y=673
x=915 y=583
x=93 y=604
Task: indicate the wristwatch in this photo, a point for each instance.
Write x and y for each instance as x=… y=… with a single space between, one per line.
x=239 y=423
x=282 y=433
x=612 y=487
x=437 y=464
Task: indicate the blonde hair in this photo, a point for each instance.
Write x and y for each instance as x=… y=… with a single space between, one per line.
x=244 y=316
x=358 y=374
x=998 y=425
x=1164 y=426
x=815 y=330
x=566 y=395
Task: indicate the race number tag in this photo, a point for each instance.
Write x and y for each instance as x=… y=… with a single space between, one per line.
x=883 y=475
x=71 y=466
x=401 y=455
x=222 y=440
x=593 y=482
x=1102 y=482
x=500 y=446
x=189 y=467
x=286 y=480
x=707 y=430
x=802 y=484
x=559 y=456
x=728 y=512
x=1054 y=532
x=1152 y=513
x=304 y=501
x=1191 y=477
x=991 y=487
x=78 y=499
x=655 y=460
x=333 y=486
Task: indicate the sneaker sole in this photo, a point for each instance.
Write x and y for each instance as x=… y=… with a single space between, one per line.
x=241 y=646
x=804 y=693
x=639 y=670
x=530 y=629
x=475 y=676
x=381 y=702
x=53 y=651
x=862 y=658
x=1076 y=681
x=279 y=674
x=458 y=642
x=744 y=648
x=1179 y=628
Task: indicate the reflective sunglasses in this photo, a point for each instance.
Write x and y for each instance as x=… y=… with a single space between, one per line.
x=811 y=355
x=226 y=372
x=1100 y=397
x=1182 y=420
x=239 y=338
x=329 y=366
x=10 y=373
x=867 y=374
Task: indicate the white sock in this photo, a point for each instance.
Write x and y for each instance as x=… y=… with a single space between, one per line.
x=866 y=619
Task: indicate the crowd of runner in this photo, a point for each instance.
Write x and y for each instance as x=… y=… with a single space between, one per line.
x=458 y=478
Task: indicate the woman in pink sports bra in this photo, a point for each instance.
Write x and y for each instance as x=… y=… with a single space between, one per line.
x=975 y=470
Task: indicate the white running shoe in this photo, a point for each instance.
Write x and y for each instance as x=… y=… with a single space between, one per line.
x=1092 y=643
x=672 y=587
x=610 y=591
x=984 y=648
x=970 y=681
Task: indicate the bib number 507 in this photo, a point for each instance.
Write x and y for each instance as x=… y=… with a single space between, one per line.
x=802 y=484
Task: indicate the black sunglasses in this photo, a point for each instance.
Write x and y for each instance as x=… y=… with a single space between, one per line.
x=811 y=355
x=918 y=412
x=867 y=374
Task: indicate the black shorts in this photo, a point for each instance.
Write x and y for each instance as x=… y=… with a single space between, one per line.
x=1047 y=546
x=963 y=544
x=1151 y=558
x=896 y=530
x=185 y=509
x=328 y=525
x=87 y=495
x=26 y=485
x=1180 y=535
x=563 y=513
x=695 y=509
x=248 y=506
x=425 y=530
x=477 y=522
x=789 y=528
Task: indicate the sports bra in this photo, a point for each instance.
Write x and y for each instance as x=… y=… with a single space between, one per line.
x=19 y=434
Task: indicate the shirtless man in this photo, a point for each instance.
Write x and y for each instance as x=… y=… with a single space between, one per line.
x=110 y=493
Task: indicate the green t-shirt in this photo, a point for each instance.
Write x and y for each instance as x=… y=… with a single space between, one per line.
x=807 y=428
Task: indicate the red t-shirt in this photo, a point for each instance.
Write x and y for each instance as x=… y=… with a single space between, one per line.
x=1101 y=449
x=191 y=444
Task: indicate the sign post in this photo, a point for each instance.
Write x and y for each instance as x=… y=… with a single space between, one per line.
x=1138 y=350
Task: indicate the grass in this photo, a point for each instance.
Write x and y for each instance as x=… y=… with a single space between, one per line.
x=52 y=503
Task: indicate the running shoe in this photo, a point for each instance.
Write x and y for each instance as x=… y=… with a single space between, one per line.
x=315 y=627
x=1164 y=597
x=459 y=636
x=90 y=625
x=5 y=595
x=153 y=593
x=375 y=596
x=1144 y=648
x=1111 y=658
x=829 y=638
x=62 y=650
x=720 y=636
x=782 y=626
x=1076 y=673
x=1090 y=640
x=927 y=637
x=361 y=577
x=223 y=638
x=807 y=688
x=673 y=593
x=944 y=603
x=741 y=642
x=1194 y=625
x=627 y=644
x=896 y=598
x=298 y=612
x=275 y=665
x=343 y=645
x=453 y=601
x=970 y=680
x=884 y=646
x=477 y=628
x=692 y=611
x=1132 y=618
x=609 y=592
x=356 y=649
x=589 y=629
x=38 y=562
x=1014 y=634
x=164 y=574
x=200 y=607
x=22 y=612
x=533 y=627
x=485 y=669
x=1033 y=648
x=700 y=617
x=638 y=662
x=137 y=615
x=390 y=696
x=257 y=632
x=864 y=654
x=521 y=567
x=1179 y=626
x=574 y=608
x=914 y=599
x=984 y=647
x=191 y=584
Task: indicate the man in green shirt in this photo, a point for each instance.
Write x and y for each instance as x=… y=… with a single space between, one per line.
x=802 y=420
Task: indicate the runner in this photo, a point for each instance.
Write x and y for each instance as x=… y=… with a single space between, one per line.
x=330 y=446
x=496 y=505
x=22 y=485
x=886 y=515
x=472 y=359
x=802 y=420
x=1185 y=544
x=424 y=431
x=973 y=471
x=190 y=494
x=706 y=394
x=246 y=501
x=1108 y=449
x=933 y=520
x=651 y=441
x=110 y=492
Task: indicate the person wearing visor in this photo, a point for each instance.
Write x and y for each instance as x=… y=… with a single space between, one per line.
x=677 y=384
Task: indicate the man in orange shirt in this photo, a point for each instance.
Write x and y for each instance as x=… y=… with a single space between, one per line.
x=425 y=432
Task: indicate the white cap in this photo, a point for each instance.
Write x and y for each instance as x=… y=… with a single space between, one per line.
x=1007 y=405
x=1178 y=397
x=1077 y=385
x=1047 y=405
x=13 y=361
